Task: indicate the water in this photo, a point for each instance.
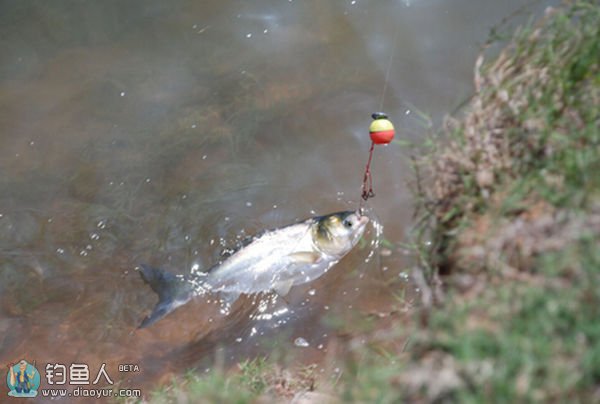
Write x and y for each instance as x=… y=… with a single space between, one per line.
x=159 y=132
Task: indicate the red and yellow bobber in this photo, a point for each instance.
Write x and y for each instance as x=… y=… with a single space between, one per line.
x=381 y=129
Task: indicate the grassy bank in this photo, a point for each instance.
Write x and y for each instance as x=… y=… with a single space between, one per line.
x=514 y=215
x=511 y=278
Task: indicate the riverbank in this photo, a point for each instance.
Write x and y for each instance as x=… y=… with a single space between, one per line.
x=514 y=219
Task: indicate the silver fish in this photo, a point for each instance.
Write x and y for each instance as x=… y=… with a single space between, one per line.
x=275 y=261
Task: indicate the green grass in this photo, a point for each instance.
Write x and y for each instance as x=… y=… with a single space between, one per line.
x=257 y=379
x=216 y=386
x=213 y=387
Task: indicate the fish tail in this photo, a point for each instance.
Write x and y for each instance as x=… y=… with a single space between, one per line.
x=173 y=291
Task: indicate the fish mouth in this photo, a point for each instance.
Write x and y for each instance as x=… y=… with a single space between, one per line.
x=362 y=219
x=360 y=229
x=362 y=224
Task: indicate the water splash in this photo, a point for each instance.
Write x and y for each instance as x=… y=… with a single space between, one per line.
x=301 y=342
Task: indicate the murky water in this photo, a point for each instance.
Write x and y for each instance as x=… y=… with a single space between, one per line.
x=159 y=132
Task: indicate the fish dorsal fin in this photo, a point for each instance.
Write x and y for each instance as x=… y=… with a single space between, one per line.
x=305 y=257
x=283 y=288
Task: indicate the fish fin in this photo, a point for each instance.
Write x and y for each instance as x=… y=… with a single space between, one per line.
x=283 y=288
x=172 y=291
x=306 y=257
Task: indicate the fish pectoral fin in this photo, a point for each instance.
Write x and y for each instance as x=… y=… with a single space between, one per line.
x=283 y=288
x=307 y=257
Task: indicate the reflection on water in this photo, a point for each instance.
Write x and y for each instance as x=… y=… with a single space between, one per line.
x=148 y=131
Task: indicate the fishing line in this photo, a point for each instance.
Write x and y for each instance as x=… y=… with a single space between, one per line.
x=389 y=66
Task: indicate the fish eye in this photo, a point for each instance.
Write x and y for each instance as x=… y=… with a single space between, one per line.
x=347 y=223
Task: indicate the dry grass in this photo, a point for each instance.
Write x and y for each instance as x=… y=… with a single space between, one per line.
x=535 y=107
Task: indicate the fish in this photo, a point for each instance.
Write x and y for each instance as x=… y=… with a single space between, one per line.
x=272 y=261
